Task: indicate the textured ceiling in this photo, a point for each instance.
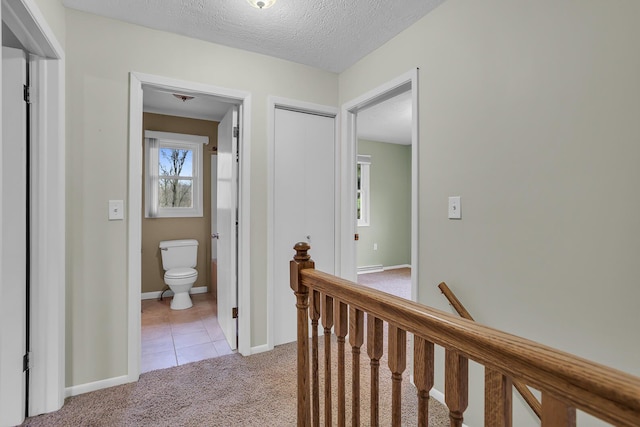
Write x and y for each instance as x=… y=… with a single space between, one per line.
x=327 y=34
x=389 y=121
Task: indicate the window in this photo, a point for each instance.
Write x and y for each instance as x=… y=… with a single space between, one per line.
x=173 y=174
x=363 y=206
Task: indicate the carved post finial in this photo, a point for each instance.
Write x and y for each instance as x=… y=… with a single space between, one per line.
x=301 y=249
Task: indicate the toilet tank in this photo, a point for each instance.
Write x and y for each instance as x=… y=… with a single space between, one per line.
x=179 y=253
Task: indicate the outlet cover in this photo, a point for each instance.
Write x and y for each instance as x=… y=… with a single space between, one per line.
x=116 y=210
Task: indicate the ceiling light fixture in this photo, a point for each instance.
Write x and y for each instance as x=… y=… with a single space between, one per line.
x=261 y=4
x=184 y=98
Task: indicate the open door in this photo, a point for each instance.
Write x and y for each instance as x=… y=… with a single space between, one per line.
x=13 y=238
x=227 y=225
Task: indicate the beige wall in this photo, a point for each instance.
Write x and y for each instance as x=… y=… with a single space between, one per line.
x=100 y=55
x=154 y=230
x=54 y=13
x=528 y=111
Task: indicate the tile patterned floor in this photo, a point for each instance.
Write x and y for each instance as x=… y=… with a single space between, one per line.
x=175 y=337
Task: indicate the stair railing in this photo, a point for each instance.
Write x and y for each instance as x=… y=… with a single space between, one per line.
x=567 y=382
x=522 y=388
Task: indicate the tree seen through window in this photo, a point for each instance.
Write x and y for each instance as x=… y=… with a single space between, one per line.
x=176 y=178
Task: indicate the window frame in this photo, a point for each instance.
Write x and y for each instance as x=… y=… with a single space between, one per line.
x=363 y=190
x=156 y=141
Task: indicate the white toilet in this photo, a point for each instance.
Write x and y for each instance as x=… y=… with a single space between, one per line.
x=179 y=257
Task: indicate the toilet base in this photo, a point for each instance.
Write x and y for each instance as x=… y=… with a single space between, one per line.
x=181 y=301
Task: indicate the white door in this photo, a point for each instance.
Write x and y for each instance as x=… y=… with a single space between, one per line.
x=214 y=206
x=227 y=227
x=304 y=198
x=13 y=247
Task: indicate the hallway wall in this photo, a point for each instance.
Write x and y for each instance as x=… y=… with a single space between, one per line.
x=100 y=54
x=529 y=112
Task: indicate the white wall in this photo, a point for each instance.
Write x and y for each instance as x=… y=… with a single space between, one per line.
x=100 y=55
x=528 y=111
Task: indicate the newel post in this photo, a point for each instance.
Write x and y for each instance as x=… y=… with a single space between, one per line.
x=301 y=261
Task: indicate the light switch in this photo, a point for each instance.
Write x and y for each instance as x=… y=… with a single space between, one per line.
x=454 y=207
x=116 y=210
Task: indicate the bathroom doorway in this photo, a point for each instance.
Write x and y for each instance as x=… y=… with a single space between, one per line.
x=151 y=97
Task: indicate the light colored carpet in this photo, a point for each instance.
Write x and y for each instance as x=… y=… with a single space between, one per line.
x=396 y=282
x=258 y=390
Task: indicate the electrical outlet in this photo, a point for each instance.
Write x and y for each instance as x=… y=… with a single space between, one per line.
x=375 y=246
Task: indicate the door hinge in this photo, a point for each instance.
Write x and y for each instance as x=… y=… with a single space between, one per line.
x=27 y=361
x=357 y=236
x=234 y=313
x=26 y=94
x=236 y=131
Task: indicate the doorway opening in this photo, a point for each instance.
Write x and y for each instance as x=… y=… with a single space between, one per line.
x=216 y=103
x=380 y=206
x=383 y=195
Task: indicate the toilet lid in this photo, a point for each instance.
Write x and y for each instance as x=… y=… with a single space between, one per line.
x=181 y=273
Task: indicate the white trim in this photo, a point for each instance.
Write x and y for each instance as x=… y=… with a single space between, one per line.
x=24 y=19
x=243 y=99
x=260 y=349
x=169 y=293
x=396 y=267
x=378 y=268
x=274 y=102
x=154 y=143
x=94 y=386
x=47 y=377
x=134 y=246
x=366 y=269
x=177 y=137
x=407 y=81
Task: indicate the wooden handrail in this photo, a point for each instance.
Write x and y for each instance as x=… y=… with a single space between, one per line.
x=526 y=394
x=567 y=382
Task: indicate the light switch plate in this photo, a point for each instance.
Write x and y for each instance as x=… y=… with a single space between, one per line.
x=454 y=207
x=116 y=210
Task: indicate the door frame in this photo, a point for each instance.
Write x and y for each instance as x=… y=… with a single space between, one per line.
x=402 y=83
x=274 y=102
x=48 y=260
x=134 y=274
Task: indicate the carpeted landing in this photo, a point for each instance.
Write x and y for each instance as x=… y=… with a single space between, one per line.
x=259 y=390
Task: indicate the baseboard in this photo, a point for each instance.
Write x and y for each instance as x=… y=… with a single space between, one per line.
x=437 y=395
x=260 y=349
x=396 y=267
x=168 y=293
x=379 y=268
x=370 y=269
x=98 y=385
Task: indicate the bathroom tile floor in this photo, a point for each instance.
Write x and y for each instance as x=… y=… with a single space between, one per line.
x=175 y=337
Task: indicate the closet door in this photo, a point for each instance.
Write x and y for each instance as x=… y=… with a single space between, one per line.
x=304 y=204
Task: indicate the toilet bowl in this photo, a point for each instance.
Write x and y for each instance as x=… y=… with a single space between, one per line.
x=180 y=281
x=179 y=258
